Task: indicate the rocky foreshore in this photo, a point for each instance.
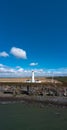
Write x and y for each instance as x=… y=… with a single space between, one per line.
x=59 y=101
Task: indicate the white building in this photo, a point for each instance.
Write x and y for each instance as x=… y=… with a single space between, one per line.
x=33 y=79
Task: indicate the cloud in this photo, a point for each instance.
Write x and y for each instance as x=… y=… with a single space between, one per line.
x=33 y=64
x=4 y=54
x=19 y=53
x=1 y=65
x=6 y=71
x=20 y=70
x=18 y=67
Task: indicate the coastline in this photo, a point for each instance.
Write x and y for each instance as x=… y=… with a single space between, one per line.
x=47 y=100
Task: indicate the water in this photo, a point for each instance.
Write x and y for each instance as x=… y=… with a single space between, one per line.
x=32 y=117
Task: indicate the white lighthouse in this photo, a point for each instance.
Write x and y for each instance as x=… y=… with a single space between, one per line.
x=33 y=77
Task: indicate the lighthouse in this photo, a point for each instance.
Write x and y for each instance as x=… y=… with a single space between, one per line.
x=33 y=77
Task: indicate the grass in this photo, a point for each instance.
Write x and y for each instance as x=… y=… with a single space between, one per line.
x=62 y=79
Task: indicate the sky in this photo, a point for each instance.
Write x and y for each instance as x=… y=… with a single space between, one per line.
x=33 y=36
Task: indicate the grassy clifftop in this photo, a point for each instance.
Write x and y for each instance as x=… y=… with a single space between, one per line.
x=62 y=79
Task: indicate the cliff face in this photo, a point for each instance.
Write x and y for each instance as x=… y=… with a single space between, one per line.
x=49 y=87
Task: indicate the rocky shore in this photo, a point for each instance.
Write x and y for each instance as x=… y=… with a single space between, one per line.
x=47 y=100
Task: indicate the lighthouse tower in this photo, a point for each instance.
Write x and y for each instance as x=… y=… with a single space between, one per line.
x=33 y=77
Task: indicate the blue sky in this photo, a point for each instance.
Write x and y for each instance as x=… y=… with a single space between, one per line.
x=38 y=30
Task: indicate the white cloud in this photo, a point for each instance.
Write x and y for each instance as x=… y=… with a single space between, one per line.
x=19 y=53
x=20 y=70
x=18 y=67
x=1 y=65
x=33 y=64
x=4 y=54
x=6 y=71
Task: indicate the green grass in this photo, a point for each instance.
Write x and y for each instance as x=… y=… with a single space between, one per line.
x=62 y=79
x=32 y=117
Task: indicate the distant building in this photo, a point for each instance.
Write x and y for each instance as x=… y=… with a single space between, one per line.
x=33 y=79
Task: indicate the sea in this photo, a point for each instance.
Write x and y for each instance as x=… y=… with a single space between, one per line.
x=24 y=116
